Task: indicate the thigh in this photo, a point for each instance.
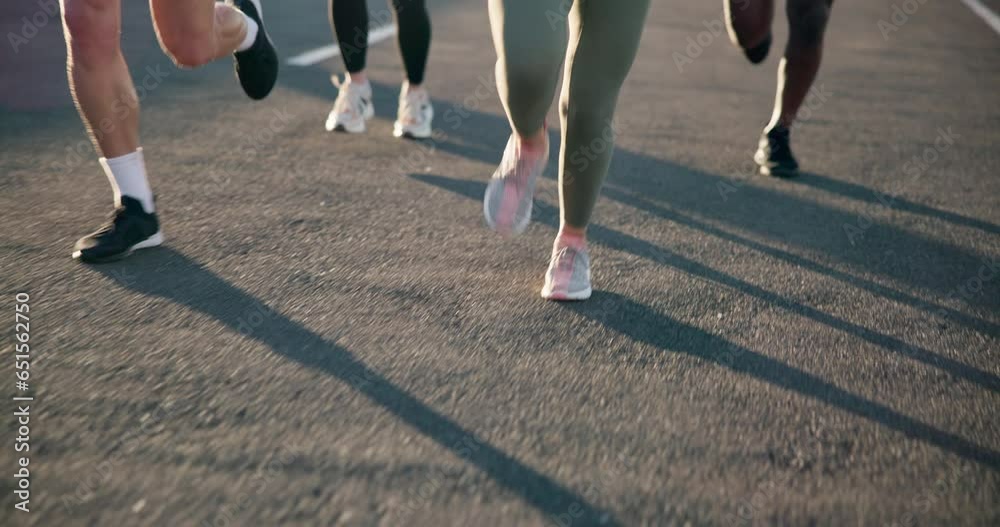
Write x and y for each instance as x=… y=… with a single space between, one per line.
x=524 y=29
x=803 y=6
x=183 y=18
x=92 y=15
x=604 y=40
x=807 y=18
x=750 y=19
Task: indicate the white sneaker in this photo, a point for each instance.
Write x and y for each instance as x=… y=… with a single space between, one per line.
x=568 y=277
x=511 y=191
x=352 y=109
x=415 y=114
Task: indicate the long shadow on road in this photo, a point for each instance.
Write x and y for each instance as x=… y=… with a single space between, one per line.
x=623 y=242
x=984 y=326
x=924 y=263
x=636 y=178
x=867 y=195
x=643 y=324
x=168 y=274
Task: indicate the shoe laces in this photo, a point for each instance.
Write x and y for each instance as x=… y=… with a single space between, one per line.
x=113 y=219
x=565 y=256
x=349 y=97
x=411 y=106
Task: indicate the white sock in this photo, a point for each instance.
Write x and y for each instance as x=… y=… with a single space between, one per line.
x=127 y=175
x=252 y=28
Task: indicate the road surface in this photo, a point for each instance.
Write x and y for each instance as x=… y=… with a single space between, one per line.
x=331 y=336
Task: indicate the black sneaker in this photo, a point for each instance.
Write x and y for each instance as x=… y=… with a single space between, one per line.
x=129 y=228
x=758 y=53
x=774 y=155
x=257 y=66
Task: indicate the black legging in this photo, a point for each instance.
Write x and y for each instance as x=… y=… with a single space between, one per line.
x=349 y=19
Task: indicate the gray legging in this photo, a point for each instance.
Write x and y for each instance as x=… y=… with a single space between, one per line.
x=530 y=37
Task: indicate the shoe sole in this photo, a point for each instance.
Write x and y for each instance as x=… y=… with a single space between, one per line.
x=411 y=133
x=781 y=173
x=569 y=297
x=346 y=130
x=153 y=241
x=359 y=128
x=765 y=168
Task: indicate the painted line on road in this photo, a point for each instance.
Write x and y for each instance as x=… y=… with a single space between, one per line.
x=984 y=12
x=320 y=54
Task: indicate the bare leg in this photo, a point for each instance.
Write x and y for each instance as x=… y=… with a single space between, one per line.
x=196 y=32
x=98 y=75
x=749 y=21
x=807 y=20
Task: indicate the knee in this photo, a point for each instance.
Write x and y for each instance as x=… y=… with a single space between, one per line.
x=807 y=21
x=531 y=75
x=93 y=27
x=593 y=114
x=186 y=50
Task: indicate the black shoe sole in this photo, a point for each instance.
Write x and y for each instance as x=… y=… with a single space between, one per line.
x=83 y=257
x=779 y=172
x=256 y=67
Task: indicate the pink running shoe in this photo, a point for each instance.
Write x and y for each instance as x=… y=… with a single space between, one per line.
x=511 y=191
x=568 y=277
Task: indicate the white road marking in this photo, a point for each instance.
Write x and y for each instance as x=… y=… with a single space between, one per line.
x=984 y=12
x=320 y=54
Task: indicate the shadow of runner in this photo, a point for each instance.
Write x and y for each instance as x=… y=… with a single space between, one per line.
x=547 y=214
x=168 y=274
x=622 y=196
x=643 y=324
x=866 y=195
x=934 y=265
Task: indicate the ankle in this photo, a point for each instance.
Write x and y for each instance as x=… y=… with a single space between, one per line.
x=572 y=236
x=535 y=142
x=360 y=78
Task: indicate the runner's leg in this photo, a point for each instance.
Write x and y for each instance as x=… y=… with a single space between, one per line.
x=196 y=32
x=807 y=20
x=605 y=39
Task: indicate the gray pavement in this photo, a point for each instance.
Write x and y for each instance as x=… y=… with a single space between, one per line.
x=331 y=336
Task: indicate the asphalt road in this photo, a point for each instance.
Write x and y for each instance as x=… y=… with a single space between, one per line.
x=332 y=337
